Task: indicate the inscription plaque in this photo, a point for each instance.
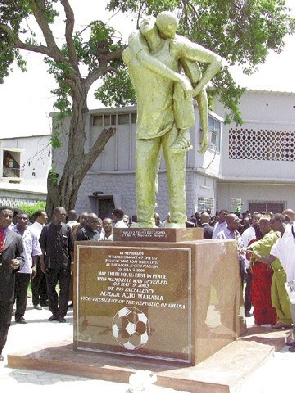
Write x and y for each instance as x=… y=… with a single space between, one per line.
x=134 y=301
x=159 y=235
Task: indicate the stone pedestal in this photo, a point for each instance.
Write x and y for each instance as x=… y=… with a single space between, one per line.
x=172 y=301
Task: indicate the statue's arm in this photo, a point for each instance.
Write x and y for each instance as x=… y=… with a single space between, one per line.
x=185 y=49
x=158 y=67
x=138 y=50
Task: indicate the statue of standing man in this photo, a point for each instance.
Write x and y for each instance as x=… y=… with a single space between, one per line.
x=164 y=71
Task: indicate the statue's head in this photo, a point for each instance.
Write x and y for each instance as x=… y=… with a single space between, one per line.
x=167 y=24
x=147 y=25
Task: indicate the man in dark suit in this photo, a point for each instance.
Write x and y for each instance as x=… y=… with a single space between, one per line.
x=208 y=230
x=57 y=246
x=11 y=248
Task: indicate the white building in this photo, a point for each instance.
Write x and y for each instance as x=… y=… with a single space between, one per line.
x=111 y=180
x=258 y=158
x=24 y=166
x=249 y=167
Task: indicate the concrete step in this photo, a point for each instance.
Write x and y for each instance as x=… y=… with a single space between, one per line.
x=220 y=373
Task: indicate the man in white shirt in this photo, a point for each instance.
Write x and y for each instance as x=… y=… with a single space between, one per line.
x=23 y=276
x=38 y=280
x=220 y=225
x=72 y=218
x=231 y=232
x=118 y=222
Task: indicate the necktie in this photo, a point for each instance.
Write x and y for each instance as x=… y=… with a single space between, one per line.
x=2 y=240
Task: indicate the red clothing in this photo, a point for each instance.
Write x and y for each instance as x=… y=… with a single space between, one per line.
x=264 y=313
x=2 y=240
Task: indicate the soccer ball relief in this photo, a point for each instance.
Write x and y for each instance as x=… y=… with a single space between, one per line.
x=131 y=328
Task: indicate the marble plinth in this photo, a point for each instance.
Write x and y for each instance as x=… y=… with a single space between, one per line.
x=170 y=301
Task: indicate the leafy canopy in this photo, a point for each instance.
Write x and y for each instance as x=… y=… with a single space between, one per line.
x=94 y=51
x=241 y=31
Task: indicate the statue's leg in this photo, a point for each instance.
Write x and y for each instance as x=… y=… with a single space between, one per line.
x=147 y=165
x=202 y=100
x=176 y=179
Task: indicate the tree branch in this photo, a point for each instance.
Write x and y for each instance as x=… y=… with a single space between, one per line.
x=38 y=8
x=103 y=68
x=100 y=143
x=116 y=54
x=70 y=21
x=96 y=74
x=22 y=45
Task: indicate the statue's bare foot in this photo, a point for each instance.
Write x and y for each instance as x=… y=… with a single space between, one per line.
x=175 y=225
x=143 y=224
x=181 y=144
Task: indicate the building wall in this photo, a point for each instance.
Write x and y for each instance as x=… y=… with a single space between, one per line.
x=269 y=130
x=122 y=187
x=28 y=183
x=213 y=179
x=113 y=173
x=272 y=113
x=255 y=193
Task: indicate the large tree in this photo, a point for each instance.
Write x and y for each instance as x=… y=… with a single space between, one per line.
x=95 y=50
x=242 y=31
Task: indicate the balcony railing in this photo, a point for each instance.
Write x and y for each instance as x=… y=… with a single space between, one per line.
x=11 y=172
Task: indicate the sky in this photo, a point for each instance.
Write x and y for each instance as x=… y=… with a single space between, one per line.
x=26 y=101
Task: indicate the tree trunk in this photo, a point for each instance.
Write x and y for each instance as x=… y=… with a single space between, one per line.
x=63 y=190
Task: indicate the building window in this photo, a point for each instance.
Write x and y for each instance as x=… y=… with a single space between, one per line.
x=97 y=121
x=11 y=166
x=205 y=205
x=106 y=120
x=266 y=207
x=261 y=145
x=214 y=131
x=133 y=118
x=123 y=119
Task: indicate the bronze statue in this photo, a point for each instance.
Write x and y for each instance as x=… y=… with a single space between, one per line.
x=164 y=71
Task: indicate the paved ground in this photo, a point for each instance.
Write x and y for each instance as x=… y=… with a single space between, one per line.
x=266 y=379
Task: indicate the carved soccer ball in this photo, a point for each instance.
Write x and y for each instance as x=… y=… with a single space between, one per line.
x=131 y=328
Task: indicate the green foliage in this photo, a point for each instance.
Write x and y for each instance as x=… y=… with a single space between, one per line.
x=55 y=140
x=32 y=208
x=120 y=84
x=12 y=14
x=230 y=95
x=53 y=176
x=242 y=32
x=49 y=12
x=61 y=72
x=91 y=52
x=99 y=44
x=147 y=7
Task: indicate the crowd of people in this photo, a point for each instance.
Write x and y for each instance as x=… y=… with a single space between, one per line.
x=34 y=251
x=266 y=249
